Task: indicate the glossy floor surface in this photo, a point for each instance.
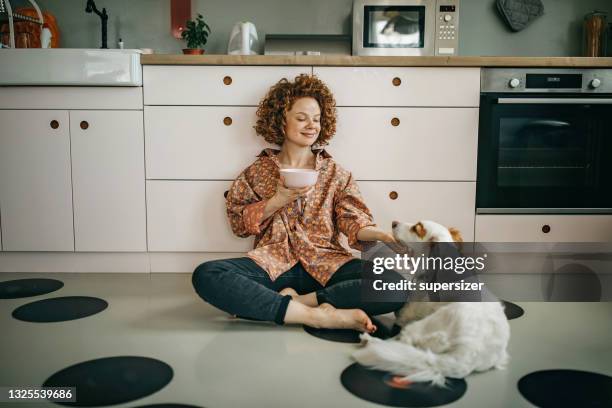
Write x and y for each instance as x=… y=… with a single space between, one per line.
x=223 y=362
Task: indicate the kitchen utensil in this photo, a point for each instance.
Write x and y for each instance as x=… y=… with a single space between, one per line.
x=243 y=39
x=595 y=34
x=299 y=178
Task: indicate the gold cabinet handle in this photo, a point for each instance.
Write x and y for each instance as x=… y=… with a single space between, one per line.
x=227 y=121
x=227 y=80
x=393 y=195
x=396 y=81
x=84 y=125
x=54 y=124
x=395 y=122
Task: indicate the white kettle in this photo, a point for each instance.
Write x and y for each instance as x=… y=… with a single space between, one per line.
x=243 y=39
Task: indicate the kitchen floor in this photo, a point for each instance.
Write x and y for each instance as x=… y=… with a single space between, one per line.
x=223 y=362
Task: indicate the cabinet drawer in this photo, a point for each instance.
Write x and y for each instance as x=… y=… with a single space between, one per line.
x=394 y=86
x=212 y=85
x=190 y=216
x=449 y=203
x=531 y=228
x=407 y=143
x=190 y=142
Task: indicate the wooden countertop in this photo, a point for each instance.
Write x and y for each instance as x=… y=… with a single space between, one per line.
x=351 y=61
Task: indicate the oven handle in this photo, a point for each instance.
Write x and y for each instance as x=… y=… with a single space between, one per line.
x=559 y=101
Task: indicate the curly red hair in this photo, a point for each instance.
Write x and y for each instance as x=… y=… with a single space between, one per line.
x=272 y=110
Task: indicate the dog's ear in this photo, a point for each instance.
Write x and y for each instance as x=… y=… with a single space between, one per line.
x=419 y=229
x=455 y=234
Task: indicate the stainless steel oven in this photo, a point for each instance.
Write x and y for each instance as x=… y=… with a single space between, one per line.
x=405 y=27
x=545 y=141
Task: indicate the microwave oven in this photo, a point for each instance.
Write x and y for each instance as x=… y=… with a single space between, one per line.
x=405 y=27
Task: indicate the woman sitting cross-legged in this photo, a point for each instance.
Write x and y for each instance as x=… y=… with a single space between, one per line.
x=298 y=272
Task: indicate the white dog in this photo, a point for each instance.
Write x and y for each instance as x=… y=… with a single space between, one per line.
x=439 y=339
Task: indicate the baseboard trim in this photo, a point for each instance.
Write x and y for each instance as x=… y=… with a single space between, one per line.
x=107 y=262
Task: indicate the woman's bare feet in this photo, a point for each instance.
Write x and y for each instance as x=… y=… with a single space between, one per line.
x=309 y=299
x=329 y=317
x=289 y=291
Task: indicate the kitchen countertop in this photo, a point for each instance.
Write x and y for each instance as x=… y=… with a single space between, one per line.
x=347 y=60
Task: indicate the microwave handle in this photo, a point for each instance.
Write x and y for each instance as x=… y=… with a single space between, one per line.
x=555 y=101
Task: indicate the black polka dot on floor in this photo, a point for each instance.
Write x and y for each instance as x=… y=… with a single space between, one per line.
x=59 y=309
x=167 y=406
x=352 y=336
x=20 y=288
x=566 y=388
x=384 y=388
x=112 y=380
x=512 y=310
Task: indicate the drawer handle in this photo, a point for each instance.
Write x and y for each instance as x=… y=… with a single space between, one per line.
x=84 y=125
x=546 y=229
x=393 y=195
x=396 y=81
x=54 y=124
x=227 y=80
x=225 y=193
x=227 y=121
x=395 y=122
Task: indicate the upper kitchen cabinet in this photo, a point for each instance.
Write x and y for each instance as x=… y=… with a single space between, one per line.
x=108 y=180
x=397 y=86
x=35 y=181
x=212 y=85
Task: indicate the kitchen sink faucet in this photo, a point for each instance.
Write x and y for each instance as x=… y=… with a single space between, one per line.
x=91 y=7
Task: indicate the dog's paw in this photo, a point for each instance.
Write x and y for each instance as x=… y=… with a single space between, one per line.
x=365 y=338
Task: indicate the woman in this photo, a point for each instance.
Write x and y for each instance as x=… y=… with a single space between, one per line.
x=297 y=272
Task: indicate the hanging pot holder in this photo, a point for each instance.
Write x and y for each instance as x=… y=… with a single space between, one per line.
x=518 y=14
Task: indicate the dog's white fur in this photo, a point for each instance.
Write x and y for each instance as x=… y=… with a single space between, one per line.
x=439 y=339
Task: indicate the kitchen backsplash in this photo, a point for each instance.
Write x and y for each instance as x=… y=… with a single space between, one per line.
x=146 y=24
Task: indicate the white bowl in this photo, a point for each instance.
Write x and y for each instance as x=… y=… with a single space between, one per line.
x=298 y=178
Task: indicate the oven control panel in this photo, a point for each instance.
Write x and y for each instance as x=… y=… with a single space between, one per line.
x=447 y=27
x=546 y=80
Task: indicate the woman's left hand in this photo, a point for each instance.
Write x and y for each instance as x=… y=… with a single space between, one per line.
x=386 y=237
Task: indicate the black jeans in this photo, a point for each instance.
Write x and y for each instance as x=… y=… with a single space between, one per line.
x=241 y=287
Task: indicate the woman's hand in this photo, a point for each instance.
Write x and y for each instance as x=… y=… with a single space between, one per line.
x=285 y=195
x=375 y=234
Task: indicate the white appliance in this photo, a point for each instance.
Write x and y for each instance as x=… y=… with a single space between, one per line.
x=243 y=39
x=405 y=27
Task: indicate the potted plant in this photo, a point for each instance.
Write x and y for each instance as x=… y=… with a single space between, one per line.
x=196 y=34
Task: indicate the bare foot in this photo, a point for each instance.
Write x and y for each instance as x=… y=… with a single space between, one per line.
x=289 y=291
x=332 y=318
x=309 y=299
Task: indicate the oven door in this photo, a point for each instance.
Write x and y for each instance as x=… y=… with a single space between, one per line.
x=538 y=153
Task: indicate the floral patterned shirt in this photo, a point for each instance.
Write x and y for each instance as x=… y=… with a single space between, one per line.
x=306 y=233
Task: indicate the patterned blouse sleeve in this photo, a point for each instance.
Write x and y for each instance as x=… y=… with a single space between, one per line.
x=352 y=214
x=245 y=208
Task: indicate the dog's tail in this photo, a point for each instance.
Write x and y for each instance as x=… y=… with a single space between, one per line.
x=404 y=359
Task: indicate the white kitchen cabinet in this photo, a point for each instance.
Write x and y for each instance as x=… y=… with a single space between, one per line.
x=449 y=203
x=543 y=228
x=35 y=181
x=108 y=180
x=212 y=85
x=403 y=86
x=407 y=143
x=196 y=142
x=190 y=216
